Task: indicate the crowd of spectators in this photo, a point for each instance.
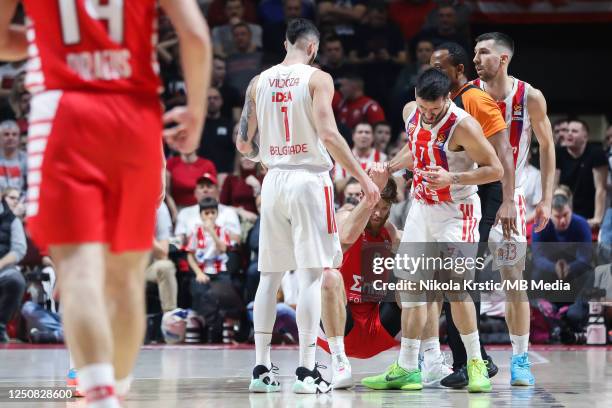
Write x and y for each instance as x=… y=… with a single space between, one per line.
x=206 y=241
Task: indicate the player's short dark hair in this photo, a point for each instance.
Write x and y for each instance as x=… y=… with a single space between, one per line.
x=208 y=203
x=582 y=122
x=499 y=38
x=389 y=193
x=241 y=24
x=560 y=121
x=456 y=53
x=300 y=28
x=350 y=181
x=432 y=84
x=363 y=123
x=381 y=123
x=559 y=201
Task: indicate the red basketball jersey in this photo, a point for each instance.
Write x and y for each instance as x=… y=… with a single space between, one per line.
x=357 y=266
x=92 y=45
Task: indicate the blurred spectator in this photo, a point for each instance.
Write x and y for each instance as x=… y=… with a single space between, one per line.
x=189 y=217
x=161 y=270
x=217 y=14
x=403 y=90
x=213 y=296
x=8 y=72
x=13 y=162
x=252 y=242
x=380 y=39
x=232 y=101
x=584 y=168
x=532 y=191
x=274 y=31
x=182 y=173
x=19 y=102
x=381 y=52
x=462 y=11
x=350 y=194
x=13 y=199
x=560 y=130
x=216 y=143
x=334 y=59
x=341 y=17
x=363 y=150
x=446 y=30
x=606 y=226
x=382 y=136
x=351 y=106
x=410 y=15
x=276 y=11
x=222 y=37
x=240 y=189
x=12 y=250
x=568 y=262
x=245 y=62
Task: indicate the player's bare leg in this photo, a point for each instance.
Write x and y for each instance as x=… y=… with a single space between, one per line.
x=125 y=300
x=333 y=315
x=518 y=320
x=434 y=367
x=464 y=315
x=81 y=275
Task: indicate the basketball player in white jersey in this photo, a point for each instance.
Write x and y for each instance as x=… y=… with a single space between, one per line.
x=288 y=123
x=524 y=108
x=449 y=156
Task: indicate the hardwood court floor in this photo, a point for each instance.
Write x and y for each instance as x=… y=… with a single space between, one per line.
x=190 y=376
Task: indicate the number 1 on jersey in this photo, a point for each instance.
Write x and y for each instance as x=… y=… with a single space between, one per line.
x=286 y=122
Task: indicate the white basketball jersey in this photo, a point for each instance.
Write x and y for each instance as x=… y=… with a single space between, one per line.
x=429 y=147
x=514 y=110
x=287 y=135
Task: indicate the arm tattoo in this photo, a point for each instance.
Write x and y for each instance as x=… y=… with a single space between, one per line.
x=254 y=151
x=247 y=111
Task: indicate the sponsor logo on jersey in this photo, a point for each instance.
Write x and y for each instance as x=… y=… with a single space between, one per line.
x=280 y=97
x=517 y=112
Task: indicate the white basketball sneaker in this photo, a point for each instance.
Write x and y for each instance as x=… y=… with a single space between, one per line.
x=432 y=372
x=342 y=376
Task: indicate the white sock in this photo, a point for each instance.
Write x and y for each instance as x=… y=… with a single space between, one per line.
x=409 y=354
x=471 y=342
x=520 y=344
x=122 y=387
x=72 y=365
x=98 y=382
x=308 y=313
x=264 y=315
x=336 y=346
x=263 y=344
x=308 y=349
x=431 y=349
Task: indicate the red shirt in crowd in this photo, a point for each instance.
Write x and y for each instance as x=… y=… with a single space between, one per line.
x=237 y=193
x=183 y=178
x=362 y=109
x=410 y=16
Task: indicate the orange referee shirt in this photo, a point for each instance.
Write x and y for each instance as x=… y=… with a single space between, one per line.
x=482 y=107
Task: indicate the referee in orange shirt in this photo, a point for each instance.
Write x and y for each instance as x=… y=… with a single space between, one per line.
x=496 y=198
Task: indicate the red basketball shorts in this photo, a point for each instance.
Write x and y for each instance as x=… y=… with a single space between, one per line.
x=94 y=169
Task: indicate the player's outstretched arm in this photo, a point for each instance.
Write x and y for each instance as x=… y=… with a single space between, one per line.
x=196 y=60
x=246 y=142
x=13 y=42
x=322 y=88
x=536 y=106
x=403 y=158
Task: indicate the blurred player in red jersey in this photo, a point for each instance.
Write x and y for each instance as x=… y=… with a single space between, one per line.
x=358 y=322
x=94 y=157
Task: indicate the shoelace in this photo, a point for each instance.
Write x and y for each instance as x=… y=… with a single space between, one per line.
x=524 y=363
x=274 y=370
x=480 y=368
